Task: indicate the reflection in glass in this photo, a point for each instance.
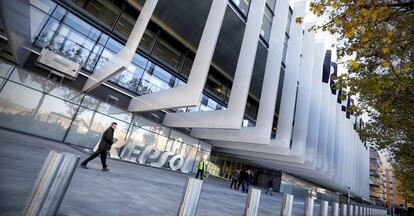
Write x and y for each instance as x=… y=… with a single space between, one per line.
x=46 y=35
x=30 y=111
x=45 y=85
x=37 y=21
x=81 y=26
x=266 y=24
x=46 y=6
x=151 y=126
x=88 y=127
x=5 y=69
x=243 y=5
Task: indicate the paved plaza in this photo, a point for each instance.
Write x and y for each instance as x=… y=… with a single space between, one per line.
x=127 y=189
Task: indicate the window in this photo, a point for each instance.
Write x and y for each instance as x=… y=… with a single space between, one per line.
x=147 y=41
x=285 y=48
x=289 y=21
x=266 y=24
x=251 y=108
x=280 y=90
x=46 y=6
x=188 y=63
x=168 y=53
x=105 y=10
x=214 y=85
x=127 y=20
x=37 y=21
x=46 y=35
x=243 y=6
x=72 y=45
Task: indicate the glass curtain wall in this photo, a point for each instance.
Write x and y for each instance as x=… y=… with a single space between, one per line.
x=68 y=35
x=301 y=188
x=160 y=64
x=33 y=104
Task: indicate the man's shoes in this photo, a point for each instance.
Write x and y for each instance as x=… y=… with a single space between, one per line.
x=83 y=166
x=105 y=169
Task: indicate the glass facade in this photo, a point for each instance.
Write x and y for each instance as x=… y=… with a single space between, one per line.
x=299 y=187
x=161 y=62
x=33 y=104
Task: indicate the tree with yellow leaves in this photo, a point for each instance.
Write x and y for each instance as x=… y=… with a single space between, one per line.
x=379 y=35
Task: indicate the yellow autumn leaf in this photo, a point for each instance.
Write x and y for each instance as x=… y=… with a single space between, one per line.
x=385 y=50
x=386 y=64
x=350 y=32
x=299 y=20
x=406 y=66
x=354 y=65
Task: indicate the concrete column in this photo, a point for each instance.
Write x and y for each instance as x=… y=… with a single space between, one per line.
x=258 y=134
x=287 y=104
x=309 y=206
x=287 y=204
x=343 y=210
x=120 y=61
x=51 y=184
x=252 y=203
x=190 y=93
x=351 y=210
x=262 y=131
x=190 y=197
x=232 y=117
x=324 y=208
x=335 y=209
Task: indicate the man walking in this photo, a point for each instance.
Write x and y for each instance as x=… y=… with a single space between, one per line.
x=104 y=146
x=201 y=168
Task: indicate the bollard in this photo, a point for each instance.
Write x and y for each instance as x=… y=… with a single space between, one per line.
x=343 y=210
x=190 y=197
x=324 y=208
x=335 y=209
x=287 y=203
x=252 y=203
x=309 y=206
x=51 y=184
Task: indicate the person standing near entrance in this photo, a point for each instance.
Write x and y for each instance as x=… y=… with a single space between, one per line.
x=270 y=186
x=248 y=181
x=201 y=169
x=242 y=177
x=104 y=146
x=235 y=179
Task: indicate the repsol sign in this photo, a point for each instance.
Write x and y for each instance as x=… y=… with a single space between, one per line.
x=150 y=155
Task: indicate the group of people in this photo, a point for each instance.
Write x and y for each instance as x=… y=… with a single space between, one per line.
x=245 y=178
x=242 y=178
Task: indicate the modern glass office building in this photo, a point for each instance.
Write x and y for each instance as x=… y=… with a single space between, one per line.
x=238 y=83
